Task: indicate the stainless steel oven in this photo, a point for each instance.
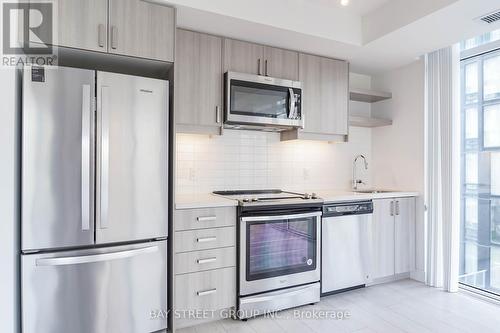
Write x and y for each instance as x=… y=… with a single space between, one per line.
x=279 y=260
x=261 y=102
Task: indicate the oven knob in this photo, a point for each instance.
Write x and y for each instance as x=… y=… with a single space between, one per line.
x=314 y=196
x=246 y=200
x=255 y=199
x=307 y=196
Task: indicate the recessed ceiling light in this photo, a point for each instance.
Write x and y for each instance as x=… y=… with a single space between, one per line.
x=344 y=2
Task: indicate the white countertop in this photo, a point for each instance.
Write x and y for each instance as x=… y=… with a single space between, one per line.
x=209 y=200
x=335 y=196
x=202 y=200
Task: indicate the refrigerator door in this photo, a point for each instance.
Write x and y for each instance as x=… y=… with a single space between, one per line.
x=57 y=157
x=114 y=289
x=132 y=158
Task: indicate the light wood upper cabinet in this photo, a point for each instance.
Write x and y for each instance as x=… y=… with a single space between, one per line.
x=141 y=29
x=325 y=94
x=257 y=59
x=81 y=24
x=283 y=64
x=198 y=82
x=243 y=57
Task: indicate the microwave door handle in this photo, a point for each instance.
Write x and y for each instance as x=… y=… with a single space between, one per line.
x=291 y=105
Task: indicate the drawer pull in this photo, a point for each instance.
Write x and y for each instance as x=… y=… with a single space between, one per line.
x=206 y=239
x=206 y=218
x=206 y=261
x=207 y=292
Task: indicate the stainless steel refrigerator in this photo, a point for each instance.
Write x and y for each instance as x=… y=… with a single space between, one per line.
x=94 y=205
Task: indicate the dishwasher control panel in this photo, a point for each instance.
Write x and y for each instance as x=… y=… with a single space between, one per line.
x=348 y=208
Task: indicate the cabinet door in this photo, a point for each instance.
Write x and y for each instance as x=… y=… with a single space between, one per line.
x=281 y=63
x=141 y=29
x=383 y=238
x=81 y=24
x=404 y=234
x=243 y=57
x=325 y=90
x=198 y=79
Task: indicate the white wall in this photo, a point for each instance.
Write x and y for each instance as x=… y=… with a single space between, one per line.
x=398 y=150
x=9 y=218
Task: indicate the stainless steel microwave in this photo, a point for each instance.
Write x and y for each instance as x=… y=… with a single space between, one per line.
x=262 y=102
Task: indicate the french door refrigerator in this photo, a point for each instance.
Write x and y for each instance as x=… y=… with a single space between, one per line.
x=94 y=202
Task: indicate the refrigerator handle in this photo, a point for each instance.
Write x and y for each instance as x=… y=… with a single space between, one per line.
x=85 y=171
x=104 y=174
x=61 y=261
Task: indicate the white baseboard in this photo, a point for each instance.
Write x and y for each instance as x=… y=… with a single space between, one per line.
x=418 y=275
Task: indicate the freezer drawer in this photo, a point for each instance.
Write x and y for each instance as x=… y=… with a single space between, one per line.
x=132 y=158
x=104 y=290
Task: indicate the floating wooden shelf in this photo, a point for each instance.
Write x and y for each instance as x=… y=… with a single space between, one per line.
x=369 y=96
x=359 y=121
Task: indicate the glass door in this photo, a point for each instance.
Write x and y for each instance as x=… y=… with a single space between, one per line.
x=480 y=225
x=281 y=246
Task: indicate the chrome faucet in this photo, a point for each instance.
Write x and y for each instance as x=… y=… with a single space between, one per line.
x=355 y=180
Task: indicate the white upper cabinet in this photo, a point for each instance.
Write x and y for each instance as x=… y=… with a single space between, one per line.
x=141 y=29
x=198 y=82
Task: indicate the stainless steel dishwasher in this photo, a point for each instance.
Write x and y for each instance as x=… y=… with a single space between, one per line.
x=345 y=246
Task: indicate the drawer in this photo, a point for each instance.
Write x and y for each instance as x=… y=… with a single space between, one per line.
x=210 y=290
x=190 y=219
x=203 y=239
x=190 y=262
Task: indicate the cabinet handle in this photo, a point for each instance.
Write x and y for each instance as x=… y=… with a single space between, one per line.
x=258 y=69
x=392 y=208
x=100 y=35
x=206 y=261
x=217 y=114
x=397 y=208
x=206 y=218
x=206 y=239
x=207 y=292
x=114 y=37
x=265 y=67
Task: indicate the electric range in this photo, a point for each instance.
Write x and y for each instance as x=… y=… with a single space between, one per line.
x=278 y=235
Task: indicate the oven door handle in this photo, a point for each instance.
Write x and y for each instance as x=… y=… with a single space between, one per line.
x=279 y=217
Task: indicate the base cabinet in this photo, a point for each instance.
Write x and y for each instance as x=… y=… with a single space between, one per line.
x=204 y=277
x=393 y=233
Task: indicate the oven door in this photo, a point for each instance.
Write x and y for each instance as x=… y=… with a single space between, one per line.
x=264 y=101
x=279 y=251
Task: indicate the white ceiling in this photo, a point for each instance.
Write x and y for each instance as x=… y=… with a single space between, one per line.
x=374 y=35
x=357 y=7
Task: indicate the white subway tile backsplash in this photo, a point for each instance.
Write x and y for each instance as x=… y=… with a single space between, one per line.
x=256 y=160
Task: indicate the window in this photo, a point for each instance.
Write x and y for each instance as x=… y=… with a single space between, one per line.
x=480 y=225
x=481 y=40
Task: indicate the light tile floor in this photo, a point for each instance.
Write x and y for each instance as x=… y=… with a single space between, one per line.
x=402 y=306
